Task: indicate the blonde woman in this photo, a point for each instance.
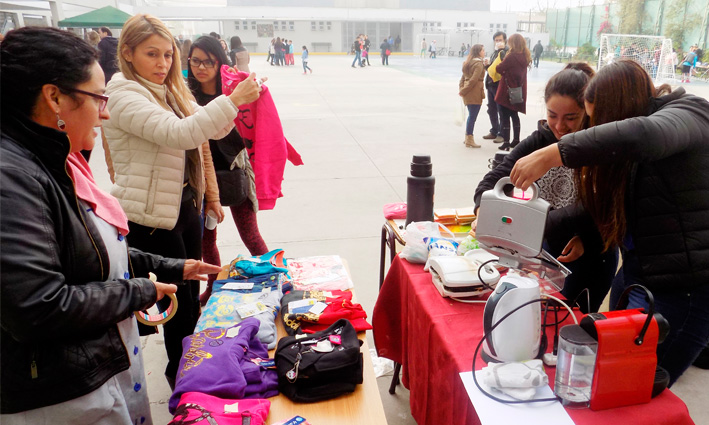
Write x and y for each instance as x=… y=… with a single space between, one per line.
x=471 y=89
x=514 y=76
x=158 y=141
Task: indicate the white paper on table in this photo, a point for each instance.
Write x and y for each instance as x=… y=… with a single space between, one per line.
x=492 y=412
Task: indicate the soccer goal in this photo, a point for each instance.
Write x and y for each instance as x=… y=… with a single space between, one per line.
x=653 y=53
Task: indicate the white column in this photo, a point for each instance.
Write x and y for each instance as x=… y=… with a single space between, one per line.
x=57 y=8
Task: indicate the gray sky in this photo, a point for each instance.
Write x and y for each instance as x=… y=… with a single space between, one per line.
x=536 y=5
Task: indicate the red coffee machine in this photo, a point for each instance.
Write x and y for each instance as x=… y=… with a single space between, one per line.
x=626 y=360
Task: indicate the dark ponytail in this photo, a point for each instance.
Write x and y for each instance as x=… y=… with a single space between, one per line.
x=570 y=82
x=31 y=57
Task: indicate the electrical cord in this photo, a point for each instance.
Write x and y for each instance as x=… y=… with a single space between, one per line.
x=480 y=277
x=487 y=334
x=477 y=352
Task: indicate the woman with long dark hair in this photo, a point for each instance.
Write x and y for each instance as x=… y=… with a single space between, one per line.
x=472 y=89
x=643 y=176
x=570 y=235
x=71 y=353
x=514 y=76
x=239 y=55
x=204 y=81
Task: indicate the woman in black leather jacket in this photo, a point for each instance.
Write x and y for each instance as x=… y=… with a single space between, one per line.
x=68 y=282
x=644 y=169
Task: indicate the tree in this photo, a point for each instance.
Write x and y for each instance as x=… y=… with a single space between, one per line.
x=632 y=15
x=680 y=22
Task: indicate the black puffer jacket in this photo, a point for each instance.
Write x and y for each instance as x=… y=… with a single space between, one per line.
x=59 y=338
x=562 y=223
x=667 y=201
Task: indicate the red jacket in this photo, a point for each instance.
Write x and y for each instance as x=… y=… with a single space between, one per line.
x=514 y=74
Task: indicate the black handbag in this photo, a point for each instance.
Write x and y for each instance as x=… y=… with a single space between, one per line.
x=515 y=95
x=320 y=366
x=233 y=187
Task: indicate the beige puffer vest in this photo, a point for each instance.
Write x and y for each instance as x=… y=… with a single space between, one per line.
x=147 y=144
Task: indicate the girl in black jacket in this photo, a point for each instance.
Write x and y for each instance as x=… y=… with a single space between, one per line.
x=644 y=166
x=569 y=235
x=205 y=84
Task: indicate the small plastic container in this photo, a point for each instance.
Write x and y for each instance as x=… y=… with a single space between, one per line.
x=575 y=363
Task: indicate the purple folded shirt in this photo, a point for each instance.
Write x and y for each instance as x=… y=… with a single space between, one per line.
x=218 y=362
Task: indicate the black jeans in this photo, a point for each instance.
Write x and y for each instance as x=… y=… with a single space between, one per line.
x=536 y=61
x=183 y=241
x=492 y=110
x=687 y=312
x=506 y=115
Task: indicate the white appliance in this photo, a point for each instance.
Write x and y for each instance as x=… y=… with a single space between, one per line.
x=458 y=276
x=516 y=338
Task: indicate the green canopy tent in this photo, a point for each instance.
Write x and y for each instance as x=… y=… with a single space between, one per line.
x=105 y=17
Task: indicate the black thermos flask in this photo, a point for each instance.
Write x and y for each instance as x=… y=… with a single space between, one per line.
x=419 y=190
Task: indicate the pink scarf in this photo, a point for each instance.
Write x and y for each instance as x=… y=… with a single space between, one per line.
x=103 y=204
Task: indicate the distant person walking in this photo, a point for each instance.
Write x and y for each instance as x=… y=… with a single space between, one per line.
x=366 y=46
x=397 y=43
x=304 y=57
x=107 y=51
x=423 y=49
x=492 y=81
x=432 y=50
x=472 y=89
x=238 y=54
x=357 y=47
x=385 y=47
x=538 y=50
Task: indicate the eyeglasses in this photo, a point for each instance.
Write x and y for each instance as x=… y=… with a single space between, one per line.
x=102 y=99
x=208 y=63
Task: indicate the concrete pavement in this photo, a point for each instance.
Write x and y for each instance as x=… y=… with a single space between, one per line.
x=357 y=130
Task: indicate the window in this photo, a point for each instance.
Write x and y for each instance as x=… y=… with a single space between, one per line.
x=458 y=25
x=492 y=27
x=498 y=26
x=439 y=24
x=313 y=26
x=465 y=25
x=291 y=25
x=322 y=26
x=236 y=25
x=329 y=25
x=504 y=27
x=245 y=25
x=253 y=25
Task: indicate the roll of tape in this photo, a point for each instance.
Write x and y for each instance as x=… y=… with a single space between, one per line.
x=158 y=319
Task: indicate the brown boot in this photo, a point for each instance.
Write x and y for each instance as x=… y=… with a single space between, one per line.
x=470 y=142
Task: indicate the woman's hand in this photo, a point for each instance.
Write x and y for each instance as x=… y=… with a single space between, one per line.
x=530 y=168
x=164 y=289
x=198 y=270
x=217 y=208
x=247 y=91
x=572 y=251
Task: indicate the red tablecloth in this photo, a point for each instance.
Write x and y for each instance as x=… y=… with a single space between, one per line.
x=434 y=339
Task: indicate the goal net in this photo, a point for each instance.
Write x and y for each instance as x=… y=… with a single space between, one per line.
x=653 y=53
